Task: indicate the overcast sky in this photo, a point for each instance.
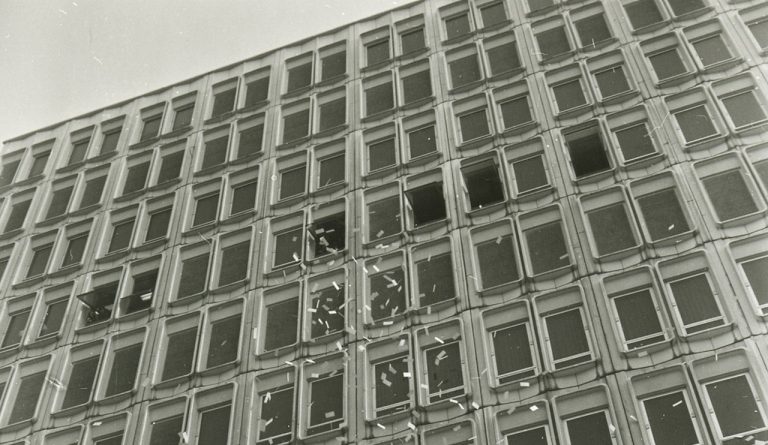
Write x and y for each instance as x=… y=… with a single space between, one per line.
x=62 y=58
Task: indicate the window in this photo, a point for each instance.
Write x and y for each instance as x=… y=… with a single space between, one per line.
x=587 y=151
x=759 y=30
x=215 y=148
x=159 y=221
x=382 y=154
x=611 y=81
x=82 y=374
x=528 y=167
x=295 y=122
x=326 y=302
x=463 y=66
x=728 y=192
x=735 y=406
x=183 y=108
x=79 y=149
x=150 y=125
x=327 y=229
x=123 y=363
x=483 y=184
x=643 y=13
x=609 y=222
x=235 y=253
x=565 y=331
x=206 y=207
x=168 y=428
x=332 y=110
x=194 y=271
x=551 y=38
x=39 y=260
x=243 y=197
x=417 y=82
x=493 y=14
x=31 y=376
x=454 y=433
x=512 y=346
x=496 y=257
x=387 y=288
x=591 y=27
x=223 y=334
x=19 y=206
x=276 y=409
x=181 y=335
x=712 y=50
x=544 y=240
x=377 y=52
x=443 y=363
x=433 y=273
x=635 y=141
x=693 y=293
x=122 y=233
x=94 y=188
x=502 y=54
x=427 y=203
x=457 y=26
x=662 y=212
x=143 y=283
x=334 y=64
x=100 y=300
x=752 y=264
x=670 y=419
x=422 y=141
x=213 y=415
x=681 y=7
x=633 y=298
x=390 y=376
x=280 y=321
x=332 y=170
x=170 y=165
x=665 y=58
x=514 y=106
x=16 y=322
x=8 y=171
x=288 y=240
x=567 y=87
x=384 y=214
x=473 y=125
x=53 y=317
x=744 y=104
x=75 y=242
x=299 y=73
x=590 y=429
x=250 y=139
x=293 y=182
x=412 y=40
x=136 y=177
x=533 y=436
x=539 y=5
x=39 y=162
x=61 y=194
x=110 y=140
x=326 y=402
x=379 y=96
x=224 y=96
x=257 y=88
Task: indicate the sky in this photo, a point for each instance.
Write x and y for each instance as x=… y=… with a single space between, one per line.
x=63 y=58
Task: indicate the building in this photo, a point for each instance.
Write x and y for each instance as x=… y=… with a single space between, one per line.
x=483 y=221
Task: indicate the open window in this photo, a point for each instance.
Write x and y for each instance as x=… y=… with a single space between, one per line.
x=565 y=328
x=587 y=150
x=327 y=229
x=545 y=243
x=426 y=199
x=432 y=271
x=482 y=182
x=612 y=230
x=442 y=362
x=141 y=287
x=98 y=302
x=511 y=343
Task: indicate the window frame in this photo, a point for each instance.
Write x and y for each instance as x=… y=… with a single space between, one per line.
x=272 y=297
x=201 y=191
x=558 y=303
x=593 y=202
x=117 y=218
x=470 y=106
x=316 y=372
x=218 y=89
x=427 y=340
x=15 y=306
x=237 y=180
x=504 y=317
x=274 y=381
x=75 y=355
x=539 y=218
x=422 y=253
x=116 y=343
x=228 y=241
x=25 y=369
x=214 y=314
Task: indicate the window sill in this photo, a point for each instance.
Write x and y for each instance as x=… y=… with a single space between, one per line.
x=693 y=14
x=174 y=382
x=279 y=352
x=18 y=425
x=423 y=159
x=248 y=158
x=229 y=287
x=135 y=315
x=325 y=436
x=476 y=142
x=379 y=115
x=176 y=133
x=72 y=410
x=382 y=172
x=253 y=107
x=650 y=28
x=742 y=220
x=557 y=57
x=504 y=75
x=403 y=412
x=25 y=182
x=458 y=39
x=93 y=327
x=42 y=341
x=12 y=233
x=385 y=241
x=151 y=244
x=417 y=103
x=386 y=322
x=704 y=143
x=100 y=158
x=287 y=202
x=485 y=210
x=458 y=89
x=620 y=97
x=70 y=167
x=187 y=300
x=209 y=170
x=238 y=217
x=52 y=220
x=331 y=80
x=755 y=128
x=708 y=333
x=519 y=129
x=542 y=11
x=535 y=194
x=447 y=402
x=577 y=111
x=112 y=256
x=326 y=339
x=330 y=131
x=10 y=350
x=201 y=229
x=26 y=282
x=591 y=362
x=437 y=306
x=593 y=177
x=596 y=46
x=297 y=92
x=722 y=65
x=430 y=226
x=327 y=257
x=131 y=195
x=675 y=80
x=330 y=188
x=144 y=143
x=4 y=189
x=66 y=270
x=554 y=273
x=283 y=270
x=643 y=161
x=164 y=185
x=86 y=210
x=114 y=398
x=220 y=118
x=500 y=288
x=644 y=351
x=413 y=54
x=376 y=66
x=495 y=27
x=293 y=143
x=673 y=240
x=218 y=369
x=617 y=255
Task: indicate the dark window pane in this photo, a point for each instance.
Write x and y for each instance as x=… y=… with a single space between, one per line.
x=121 y=235
x=99 y=303
x=444 y=374
x=332 y=170
x=497 y=262
x=234 y=263
x=158 y=224
x=474 y=125
x=170 y=167
x=27 y=397
x=638 y=318
x=695 y=301
x=59 y=202
x=181 y=353
x=729 y=195
x=566 y=335
x=511 y=349
x=712 y=50
x=377 y=52
x=93 y=191
x=537 y=5
x=333 y=113
x=435 y=280
x=669 y=419
x=680 y=7
x=167 y=431
x=612 y=81
x=281 y=324
x=299 y=77
x=39 y=163
x=288 y=247
x=635 y=142
x=194 y=275
x=484 y=186
x=503 y=58
x=735 y=407
x=417 y=86
x=530 y=174
x=250 y=141
x=8 y=172
x=113 y=440
x=457 y=26
x=412 y=40
x=243 y=197
x=588 y=155
x=643 y=13
x=387 y=294
x=17 y=324
x=667 y=64
x=546 y=247
x=611 y=229
x=328 y=316
x=465 y=70
x=392 y=389
x=384 y=218
x=125 y=366
x=276 y=415
x=81 y=381
x=592 y=30
x=292 y=182
x=334 y=65
x=515 y=112
x=381 y=154
x=256 y=91
x=109 y=144
x=326 y=402
x=206 y=209
x=744 y=109
x=214 y=426
x=136 y=178
x=536 y=436
x=553 y=42
x=75 y=250
x=79 y=149
x=215 y=152
x=329 y=234
x=427 y=203
x=151 y=127
x=493 y=14
x=757 y=275
x=225 y=341
x=569 y=95
x=296 y=126
x=591 y=429
x=379 y=98
x=760 y=32
x=662 y=214
x=223 y=102
x=18 y=215
x=422 y=141
x=183 y=117
x=39 y=262
x=54 y=316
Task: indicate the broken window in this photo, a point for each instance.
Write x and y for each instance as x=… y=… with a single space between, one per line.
x=445 y=377
x=587 y=152
x=427 y=203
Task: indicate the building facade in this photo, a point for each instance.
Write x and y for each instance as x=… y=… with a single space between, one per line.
x=475 y=222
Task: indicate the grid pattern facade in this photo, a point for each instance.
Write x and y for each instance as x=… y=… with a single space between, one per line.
x=474 y=222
